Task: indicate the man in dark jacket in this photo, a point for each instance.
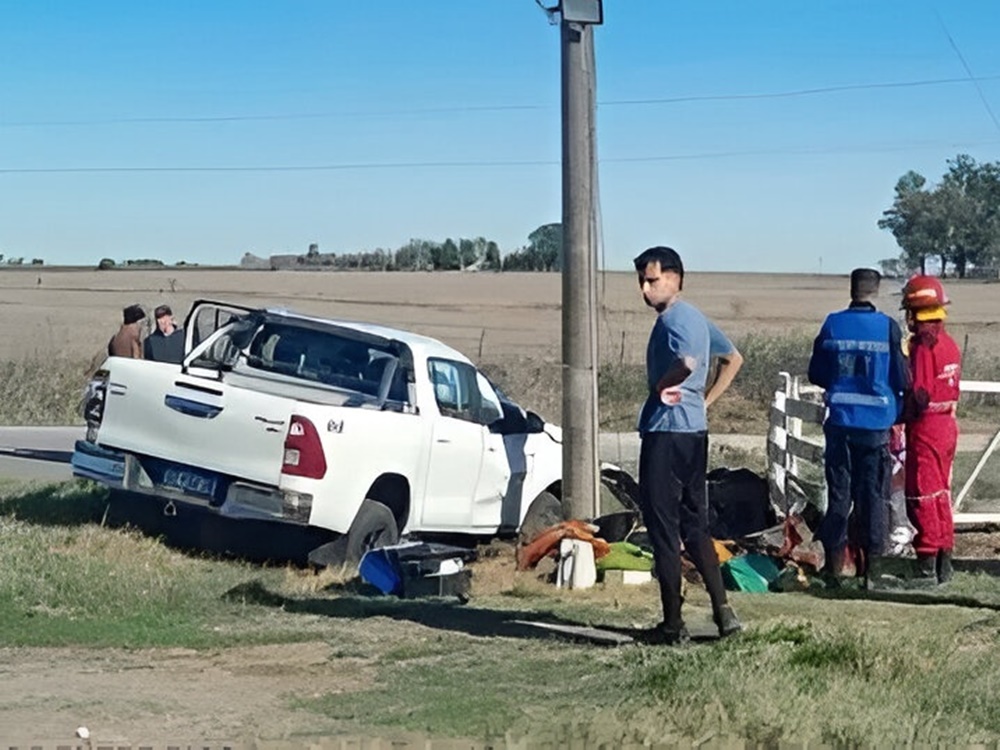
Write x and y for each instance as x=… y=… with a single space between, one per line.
x=858 y=358
x=166 y=343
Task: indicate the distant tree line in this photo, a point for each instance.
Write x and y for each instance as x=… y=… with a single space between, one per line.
x=956 y=222
x=542 y=253
x=20 y=261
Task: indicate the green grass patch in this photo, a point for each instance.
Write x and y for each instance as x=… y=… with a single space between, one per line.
x=65 y=580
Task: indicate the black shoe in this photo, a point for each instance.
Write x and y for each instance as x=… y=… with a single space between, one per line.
x=727 y=621
x=661 y=635
x=945 y=571
x=927 y=566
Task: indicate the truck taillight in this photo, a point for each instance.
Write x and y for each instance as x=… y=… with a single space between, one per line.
x=303 y=450
x=92 y=406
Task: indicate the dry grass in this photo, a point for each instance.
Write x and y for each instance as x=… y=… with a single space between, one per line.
x=57 y=321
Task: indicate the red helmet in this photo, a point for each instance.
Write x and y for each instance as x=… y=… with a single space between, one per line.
x=922 y=292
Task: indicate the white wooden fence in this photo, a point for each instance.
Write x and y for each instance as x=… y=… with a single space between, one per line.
x=795 y=460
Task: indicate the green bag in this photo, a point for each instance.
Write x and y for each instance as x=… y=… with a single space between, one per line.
x=751 y=572
x=625 y=556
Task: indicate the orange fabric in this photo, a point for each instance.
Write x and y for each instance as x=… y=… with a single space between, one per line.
x=722 y=551
x=547 y=542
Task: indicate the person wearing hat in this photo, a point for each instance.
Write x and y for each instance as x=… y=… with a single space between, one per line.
x=673 y=427
x=858 y=359
x=128 y=341
x=166 y=342
x=931 y=426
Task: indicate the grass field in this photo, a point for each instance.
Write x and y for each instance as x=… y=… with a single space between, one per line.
x=318 y=656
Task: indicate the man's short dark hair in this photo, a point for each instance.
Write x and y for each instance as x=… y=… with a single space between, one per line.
x=133 y=314
x=161 y=311
x=667 y=257
x=864 y=282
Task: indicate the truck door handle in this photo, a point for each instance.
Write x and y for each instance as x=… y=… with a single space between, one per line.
x=265 y=420
x=192 y=408
x=442 y=440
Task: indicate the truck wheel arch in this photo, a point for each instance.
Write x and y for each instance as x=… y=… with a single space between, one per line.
x=392 y=491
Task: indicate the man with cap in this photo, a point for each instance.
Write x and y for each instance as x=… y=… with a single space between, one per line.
x=673 y=426
x=128 y=341
x=166 y=342
x=858 y=359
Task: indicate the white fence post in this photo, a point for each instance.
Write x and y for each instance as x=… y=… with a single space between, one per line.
x=787 y=448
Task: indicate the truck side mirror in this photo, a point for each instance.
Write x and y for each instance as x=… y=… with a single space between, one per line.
x=535 y=423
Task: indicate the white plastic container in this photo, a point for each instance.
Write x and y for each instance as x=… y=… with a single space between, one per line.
x=576 y=565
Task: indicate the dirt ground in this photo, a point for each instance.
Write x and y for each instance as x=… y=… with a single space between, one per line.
x=169 y=697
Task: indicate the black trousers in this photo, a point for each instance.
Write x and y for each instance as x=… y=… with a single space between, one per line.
x=674 y=502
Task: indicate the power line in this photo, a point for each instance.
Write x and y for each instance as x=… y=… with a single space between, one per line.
x=800 y=92
x=821 y=151
x=472 y=109
x=968 y=71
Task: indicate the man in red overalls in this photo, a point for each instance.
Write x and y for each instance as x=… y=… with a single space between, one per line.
x=931 y=428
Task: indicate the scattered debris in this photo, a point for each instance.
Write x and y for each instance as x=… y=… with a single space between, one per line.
x=415 y=569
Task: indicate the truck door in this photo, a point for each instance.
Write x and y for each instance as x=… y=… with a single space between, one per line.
x=205 y=318
x=456 y=451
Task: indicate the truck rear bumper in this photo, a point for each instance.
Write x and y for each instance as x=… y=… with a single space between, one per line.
x=91 y=461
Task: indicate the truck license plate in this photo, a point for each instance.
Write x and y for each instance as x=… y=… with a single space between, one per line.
x=189 y=481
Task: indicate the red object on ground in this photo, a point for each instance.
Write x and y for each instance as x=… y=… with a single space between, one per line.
x=547 y=542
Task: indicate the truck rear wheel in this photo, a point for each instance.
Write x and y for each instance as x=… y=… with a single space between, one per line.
x=544 y=511
x=374 y=526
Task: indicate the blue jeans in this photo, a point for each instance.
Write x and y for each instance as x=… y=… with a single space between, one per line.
x=857 y=476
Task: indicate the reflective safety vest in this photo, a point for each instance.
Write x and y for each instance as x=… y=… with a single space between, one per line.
x=857 y=349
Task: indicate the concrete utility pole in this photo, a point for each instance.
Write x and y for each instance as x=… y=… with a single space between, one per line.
x=581 y=482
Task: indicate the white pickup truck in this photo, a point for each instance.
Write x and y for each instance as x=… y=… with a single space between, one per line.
x=363 y=430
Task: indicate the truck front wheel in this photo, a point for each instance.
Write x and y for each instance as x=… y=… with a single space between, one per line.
x=374 y=526
x=544 y=511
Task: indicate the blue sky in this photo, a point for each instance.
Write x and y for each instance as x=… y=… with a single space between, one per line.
x=378 y=122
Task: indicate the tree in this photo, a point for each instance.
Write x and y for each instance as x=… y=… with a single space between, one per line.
x=415 y=255
x=958 y=221
x=970 y=194
x=912 y=221
x=545 y=244
x=445 y=256
x=542 y=253
x=491 y=257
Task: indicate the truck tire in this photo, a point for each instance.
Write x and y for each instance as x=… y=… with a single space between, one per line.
x=545 y=511
x=374 y=526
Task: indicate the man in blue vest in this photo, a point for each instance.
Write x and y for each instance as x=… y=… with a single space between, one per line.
x=858 y=358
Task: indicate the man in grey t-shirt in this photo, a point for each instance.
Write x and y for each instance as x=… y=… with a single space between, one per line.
x=673 y=426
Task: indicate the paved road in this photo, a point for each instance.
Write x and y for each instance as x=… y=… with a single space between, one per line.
x=37 y=452
x=22 y=447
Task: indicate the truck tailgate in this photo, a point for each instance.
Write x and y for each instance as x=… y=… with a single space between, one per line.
x=154 y=409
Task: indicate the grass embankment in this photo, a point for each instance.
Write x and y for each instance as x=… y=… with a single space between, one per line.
x=917 y=668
